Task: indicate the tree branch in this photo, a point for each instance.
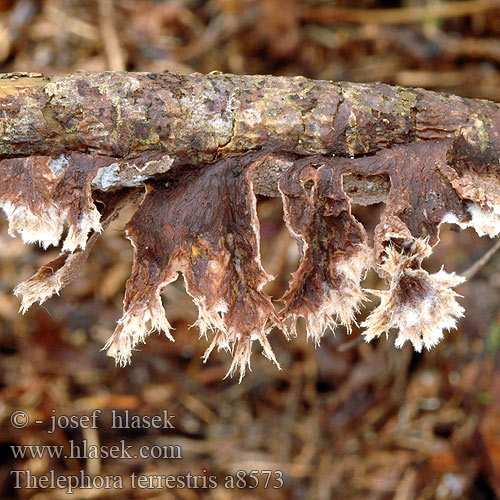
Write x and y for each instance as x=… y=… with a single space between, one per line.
x=149 y=123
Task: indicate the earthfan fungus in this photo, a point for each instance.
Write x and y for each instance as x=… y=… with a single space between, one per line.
x=195 y=148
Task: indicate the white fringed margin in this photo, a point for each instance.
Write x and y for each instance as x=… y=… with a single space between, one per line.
x=423 y=320
x=46 y=227
x=486 y=221
x=136 y=324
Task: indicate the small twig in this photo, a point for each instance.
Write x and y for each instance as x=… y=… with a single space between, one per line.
x=398 y=16
x=347 y=346
x=114 y=53
x=473 y=270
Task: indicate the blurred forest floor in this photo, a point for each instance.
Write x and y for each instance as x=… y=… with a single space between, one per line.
x=343 y=420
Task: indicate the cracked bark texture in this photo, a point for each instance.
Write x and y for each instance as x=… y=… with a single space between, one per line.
x=203 y=144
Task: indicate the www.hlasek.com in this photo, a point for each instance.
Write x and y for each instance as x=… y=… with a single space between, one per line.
x=82 y=449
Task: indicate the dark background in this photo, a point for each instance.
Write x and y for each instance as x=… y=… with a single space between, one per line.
x=342 y=421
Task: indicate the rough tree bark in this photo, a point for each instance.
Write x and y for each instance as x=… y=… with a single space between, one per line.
x=202 y=145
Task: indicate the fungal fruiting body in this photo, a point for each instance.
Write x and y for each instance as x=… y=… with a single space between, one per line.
x=198 y=213
x=420 y=305
x=202 y=222
x=326 y=288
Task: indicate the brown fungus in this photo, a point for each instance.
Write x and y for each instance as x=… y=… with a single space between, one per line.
x=204 y=224
x=39 y=194
x=420 y=305
x=55 y=275
x=326 y=288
